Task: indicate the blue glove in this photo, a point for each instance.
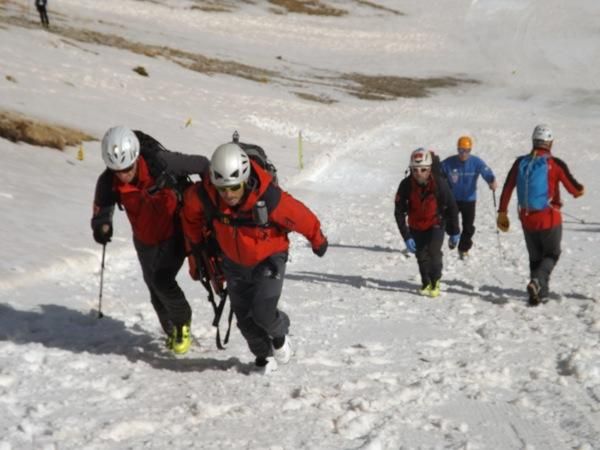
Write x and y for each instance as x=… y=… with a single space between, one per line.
x=410 y=245
x=453 y=241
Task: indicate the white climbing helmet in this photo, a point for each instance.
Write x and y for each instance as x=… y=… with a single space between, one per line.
x=229 y=165
x=120 y=148
x=421 y=158
x=542 y=133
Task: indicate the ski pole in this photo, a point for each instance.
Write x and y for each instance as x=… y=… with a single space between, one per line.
x=574 y=217
x=100 y=315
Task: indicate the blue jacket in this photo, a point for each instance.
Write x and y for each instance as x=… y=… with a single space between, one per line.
x=462 y=176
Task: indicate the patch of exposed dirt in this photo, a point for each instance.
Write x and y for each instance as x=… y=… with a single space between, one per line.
x=366 y=87
x=311 y=7
x=385 y=87
x=141 y=70
x=316 y=98
x=379 y=7
x=219 y=5
x=192 y=61
x=17 y=128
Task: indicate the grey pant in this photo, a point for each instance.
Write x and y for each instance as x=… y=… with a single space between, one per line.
x=544 y=250
x=254 y=293
x=160 y=265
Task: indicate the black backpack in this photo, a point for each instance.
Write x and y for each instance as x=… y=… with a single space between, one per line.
x=258 y=155
x=149 y=149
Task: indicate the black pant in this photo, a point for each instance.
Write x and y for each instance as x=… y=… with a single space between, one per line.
x=43 y=15
x=160 y=265
x=467 y=212
x=544 y=250
x=254 y=293
x=429 y=253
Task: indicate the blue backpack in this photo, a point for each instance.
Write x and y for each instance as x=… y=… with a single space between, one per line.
x=532 y=182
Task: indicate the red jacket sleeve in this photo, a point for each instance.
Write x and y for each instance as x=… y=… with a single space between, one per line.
x=293 y=215
x=192 y=215
x=569 y=182
x=509 y=186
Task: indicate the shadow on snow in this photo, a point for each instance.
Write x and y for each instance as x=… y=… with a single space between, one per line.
x=55 y=326
x=494 y=294
x=373 y=248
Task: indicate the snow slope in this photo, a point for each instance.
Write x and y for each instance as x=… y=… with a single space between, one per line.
x=376 y=366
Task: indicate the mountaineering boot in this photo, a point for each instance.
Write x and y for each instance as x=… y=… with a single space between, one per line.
x=181 y=339
x=533 y=289
x=282 y=350
x=170 y=338
x=463 y=255
x=426 y=290
x=169 y=341
x=435 y=289
x=266 y=365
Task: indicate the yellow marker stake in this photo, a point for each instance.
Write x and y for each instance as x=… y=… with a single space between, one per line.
x=300 y=155
x=80 y=153
x=188 y=122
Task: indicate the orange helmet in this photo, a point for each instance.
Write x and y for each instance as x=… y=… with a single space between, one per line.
x=464 y=142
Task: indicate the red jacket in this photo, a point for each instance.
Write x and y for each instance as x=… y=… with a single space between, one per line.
x=151 y=216
x=551 y=216
x=248 y=245
x=423 y=207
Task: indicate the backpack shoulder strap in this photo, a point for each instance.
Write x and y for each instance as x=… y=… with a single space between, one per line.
x=211 y=269
x=271 y=196
x=209 y=208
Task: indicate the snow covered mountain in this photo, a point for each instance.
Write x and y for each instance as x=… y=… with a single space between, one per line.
x=376 y=366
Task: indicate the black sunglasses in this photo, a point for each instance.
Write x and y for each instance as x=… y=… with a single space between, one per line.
x=421 y=169
x=125 y=170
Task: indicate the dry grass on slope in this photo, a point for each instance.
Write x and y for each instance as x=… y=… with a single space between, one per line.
x=382 y=87
x=219 y=5
x=311 y=7
x=18 y=128
x=366 y=87
x=189 y=60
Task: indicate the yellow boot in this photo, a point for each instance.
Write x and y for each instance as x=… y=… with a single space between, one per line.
x=435 y=289
x=426 y=290
x=181 y=339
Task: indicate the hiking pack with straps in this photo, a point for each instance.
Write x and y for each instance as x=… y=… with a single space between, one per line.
x=210 y=273
x=258 y=155
x=532 y=182
x=149 y=149
x=208 y=255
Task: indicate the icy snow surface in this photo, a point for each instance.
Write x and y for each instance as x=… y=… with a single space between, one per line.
x=376 y=366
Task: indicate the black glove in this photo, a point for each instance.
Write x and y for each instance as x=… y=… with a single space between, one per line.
x=102 y=234
x=320 y=251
